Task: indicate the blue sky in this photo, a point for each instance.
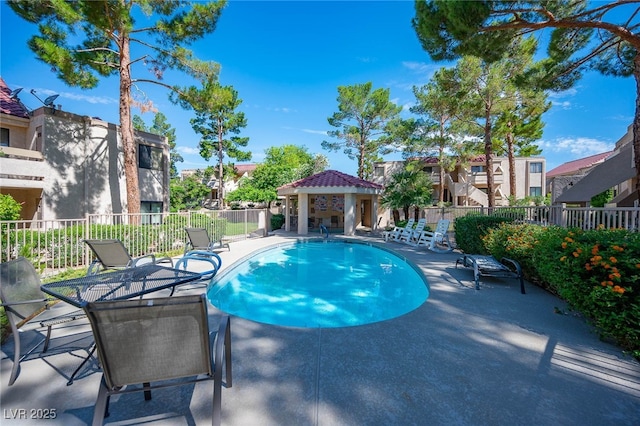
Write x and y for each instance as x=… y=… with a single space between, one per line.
x=286 y=60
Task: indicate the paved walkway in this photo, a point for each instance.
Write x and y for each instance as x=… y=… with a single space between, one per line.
x=465 y=357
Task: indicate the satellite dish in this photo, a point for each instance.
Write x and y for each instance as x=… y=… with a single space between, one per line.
x=49 y=101
x=14 y=93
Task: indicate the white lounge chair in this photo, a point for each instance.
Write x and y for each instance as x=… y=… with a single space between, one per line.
x=413 y=236
x=438 y=240
x=398 y=232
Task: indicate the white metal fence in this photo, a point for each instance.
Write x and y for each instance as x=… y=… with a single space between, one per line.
x=55 y=245
x=58 y=244
x=568 y=217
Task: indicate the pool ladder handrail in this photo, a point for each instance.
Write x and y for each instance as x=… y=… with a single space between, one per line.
x=324 y=229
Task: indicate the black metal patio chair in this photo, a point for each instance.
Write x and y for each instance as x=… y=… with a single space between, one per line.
x=112 y=254
x=158 y=342
x=25 y=304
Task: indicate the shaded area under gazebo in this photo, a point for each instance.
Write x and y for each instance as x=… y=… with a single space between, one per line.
x=333 y=199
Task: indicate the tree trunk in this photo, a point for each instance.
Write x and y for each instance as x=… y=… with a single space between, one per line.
x=441 y=177
x=220 y=165
x=488 y=152
x=361 y=162
x=126 y=128
x=636 y=123
x=512 y=164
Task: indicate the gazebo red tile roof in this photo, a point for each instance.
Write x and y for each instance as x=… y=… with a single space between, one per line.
x=331 y=178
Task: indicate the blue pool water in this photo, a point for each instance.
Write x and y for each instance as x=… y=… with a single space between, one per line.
x=320 y=284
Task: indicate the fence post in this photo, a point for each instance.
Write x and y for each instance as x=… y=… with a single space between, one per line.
x=87 y=235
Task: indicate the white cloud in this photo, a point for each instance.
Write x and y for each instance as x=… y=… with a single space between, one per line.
x=188 y=150
x=315 y=132
x=420 y=67
x=577 y=147
x=564 y=94
x=563 y=104
x=620 y=117
x=104 y=100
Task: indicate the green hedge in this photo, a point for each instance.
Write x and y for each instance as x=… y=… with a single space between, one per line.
x=277 y=220
x=597 y=272
x=470 y=229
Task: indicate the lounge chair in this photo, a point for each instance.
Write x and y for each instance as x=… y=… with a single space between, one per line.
x=25 y=303
x=412 y=237
x=112 y=254
x=488 y=266
x=397 y=232
x=199 y=240
x=157 y=343
x=438 y=239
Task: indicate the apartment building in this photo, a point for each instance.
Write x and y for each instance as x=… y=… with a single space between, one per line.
x=61 y=165
x=467 y=185
x=616 y=171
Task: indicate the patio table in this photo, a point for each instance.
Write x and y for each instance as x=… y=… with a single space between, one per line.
x=121 y=284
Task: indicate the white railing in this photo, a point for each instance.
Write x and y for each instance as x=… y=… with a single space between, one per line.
x=55 y=245
x=568 y=217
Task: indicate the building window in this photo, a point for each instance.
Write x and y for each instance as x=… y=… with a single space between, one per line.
x=427 y=169
x=477 y=169
x=151 y=212
x=379 y=171
x=149 y=157
x=4 y=137
x=535 y=167
x=535 y=191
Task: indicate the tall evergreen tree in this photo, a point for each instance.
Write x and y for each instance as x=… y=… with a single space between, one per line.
x=218 y=123
x=84 y=40
x=437 y=105
x=580 y=35
x=361 y=117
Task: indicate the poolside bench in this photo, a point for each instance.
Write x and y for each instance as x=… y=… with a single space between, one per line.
x=488 y=266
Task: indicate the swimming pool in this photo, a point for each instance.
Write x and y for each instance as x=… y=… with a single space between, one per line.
x=320 y=284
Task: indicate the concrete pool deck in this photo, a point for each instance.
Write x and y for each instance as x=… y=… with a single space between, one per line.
x=465 y=357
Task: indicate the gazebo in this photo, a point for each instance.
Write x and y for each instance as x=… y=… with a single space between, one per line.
x=333 y=199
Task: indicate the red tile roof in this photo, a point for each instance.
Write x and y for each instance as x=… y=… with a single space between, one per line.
x=245 y=168
x=10 y=106
x=331 y=178
x=571 y=167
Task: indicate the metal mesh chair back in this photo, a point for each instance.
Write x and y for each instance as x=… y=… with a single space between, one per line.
x=19 y=282
x=111 y=253
x=198 y=238
x=148 y=340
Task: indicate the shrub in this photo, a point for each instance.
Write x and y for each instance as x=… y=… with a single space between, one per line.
x=470 y=229
x=277 y=220
x=9 y=208
x=597 y=272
